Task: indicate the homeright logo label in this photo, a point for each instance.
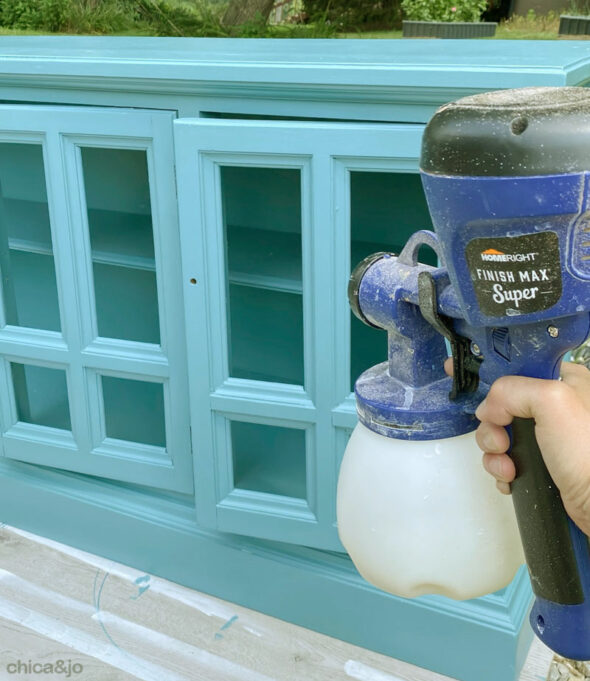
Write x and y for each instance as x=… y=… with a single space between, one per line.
x=494 y=255
x=515 y=275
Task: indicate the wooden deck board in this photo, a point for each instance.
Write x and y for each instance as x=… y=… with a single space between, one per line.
x=58 y=603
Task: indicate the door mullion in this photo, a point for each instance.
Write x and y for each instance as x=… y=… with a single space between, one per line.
x=170 y=286
x=319 y=238
x=199 y=293
x=62 y=228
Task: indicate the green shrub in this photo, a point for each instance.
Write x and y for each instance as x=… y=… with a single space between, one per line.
x=72 y=16
x=45 y=15
x=355 y=14
x=101 y=16
x=198 y=18
x=54 y=14
x=443 y=10
x=579 y=8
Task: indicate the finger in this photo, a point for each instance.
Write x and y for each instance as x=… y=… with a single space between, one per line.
x=449 y=366
x=577 y=377
x=503 y=487
x=525 y=397
x=500 y=466
x=492 y=438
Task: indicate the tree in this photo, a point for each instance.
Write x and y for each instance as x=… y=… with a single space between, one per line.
x=242 y=11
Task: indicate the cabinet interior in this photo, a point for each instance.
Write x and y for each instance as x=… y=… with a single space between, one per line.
x=262 y=220
x=117 y=194
x=41 y=395
x=269 y=459
x=134 y=410
x=29 y=285
x=385 y=209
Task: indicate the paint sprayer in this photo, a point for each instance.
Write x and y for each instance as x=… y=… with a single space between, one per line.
x=507 y=181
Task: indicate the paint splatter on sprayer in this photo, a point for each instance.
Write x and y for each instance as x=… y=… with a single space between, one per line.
x=507 y=178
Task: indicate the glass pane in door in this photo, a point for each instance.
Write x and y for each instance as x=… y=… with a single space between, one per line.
x=269 y=459
x=118 y=203
x=134 y=410
x=262 y=216
x=29 y=287
x=41 y=395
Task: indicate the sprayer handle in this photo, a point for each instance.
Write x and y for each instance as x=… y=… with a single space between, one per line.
x=556 y=551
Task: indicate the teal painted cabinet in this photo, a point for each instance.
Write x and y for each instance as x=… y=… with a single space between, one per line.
x=272 y=365
x=93 y=366
x=178 y=221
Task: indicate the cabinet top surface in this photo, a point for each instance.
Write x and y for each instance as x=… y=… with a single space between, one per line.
x=402 y=63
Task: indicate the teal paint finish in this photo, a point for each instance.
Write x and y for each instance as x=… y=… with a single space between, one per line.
x=143 y=585
x=178 y=221
x=69 y=425
x=381 y=80
x=360 y=63
x=226 y=626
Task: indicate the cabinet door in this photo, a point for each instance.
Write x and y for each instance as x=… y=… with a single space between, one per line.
x=266 y=225
x=92 y=355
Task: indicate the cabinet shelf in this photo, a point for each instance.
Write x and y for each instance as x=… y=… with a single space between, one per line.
x=119 y=239
x=261 y=258
x=123 y=239
x=266 y=335
x=27 y=224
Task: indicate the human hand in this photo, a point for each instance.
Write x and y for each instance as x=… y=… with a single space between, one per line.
x=561 y=410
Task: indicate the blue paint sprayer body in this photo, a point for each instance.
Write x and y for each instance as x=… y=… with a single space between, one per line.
x=507 y=178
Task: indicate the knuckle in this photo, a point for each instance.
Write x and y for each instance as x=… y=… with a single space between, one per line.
x=557 y=392
x=498 y=389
